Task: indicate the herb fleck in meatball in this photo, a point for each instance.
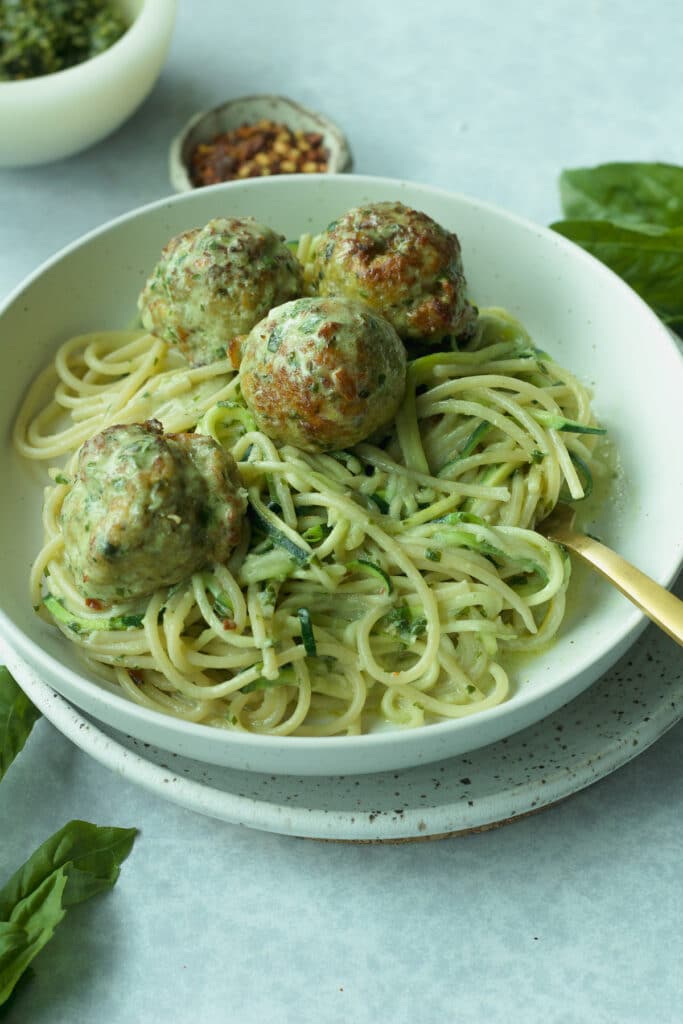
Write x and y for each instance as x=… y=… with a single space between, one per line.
x=401 y=263
x=215 y=282
x=147 y=510
x=322 y=373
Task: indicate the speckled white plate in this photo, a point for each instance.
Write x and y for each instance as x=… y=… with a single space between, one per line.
x=607 y=726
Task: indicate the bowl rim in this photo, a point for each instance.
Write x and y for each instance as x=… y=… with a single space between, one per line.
x=632 y=622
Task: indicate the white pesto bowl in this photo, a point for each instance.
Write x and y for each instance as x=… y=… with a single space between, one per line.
x=54 y=116
x=574 y=308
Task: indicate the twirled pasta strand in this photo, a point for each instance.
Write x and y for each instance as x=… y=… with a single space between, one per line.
x=414 y=556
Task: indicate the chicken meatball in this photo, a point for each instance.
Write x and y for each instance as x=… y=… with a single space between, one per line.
x=322 y=373
x=216 y=282
x=401 y=263
x=146 y=510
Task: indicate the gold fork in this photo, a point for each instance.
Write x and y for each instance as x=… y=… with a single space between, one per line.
x=655 y=601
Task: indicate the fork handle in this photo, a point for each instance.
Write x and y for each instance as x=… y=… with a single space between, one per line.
x=655 y=601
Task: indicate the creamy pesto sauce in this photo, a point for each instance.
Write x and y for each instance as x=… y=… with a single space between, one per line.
x=39 y=37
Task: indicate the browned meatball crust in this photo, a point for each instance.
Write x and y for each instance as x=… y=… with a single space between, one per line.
x=401 y=263
x=322 y=373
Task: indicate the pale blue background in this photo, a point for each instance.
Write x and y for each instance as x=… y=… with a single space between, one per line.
x=573 y=915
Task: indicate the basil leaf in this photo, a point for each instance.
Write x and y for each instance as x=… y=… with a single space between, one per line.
x=17 y=718
x=652 y=264
x=71 y=866
x=20 y=942
x=635 y=194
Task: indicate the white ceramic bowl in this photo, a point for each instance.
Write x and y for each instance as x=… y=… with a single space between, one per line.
x=57 y=115
x=573 y=306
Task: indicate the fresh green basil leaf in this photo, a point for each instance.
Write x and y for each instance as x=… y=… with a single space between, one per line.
x=92 y=853
x=71 y=866
x=638 y=194
x=21 y=940
x=17 y=718
x=652 y=264
x=23 y=982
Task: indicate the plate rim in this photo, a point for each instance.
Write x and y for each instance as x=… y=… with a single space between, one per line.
x=456 y=818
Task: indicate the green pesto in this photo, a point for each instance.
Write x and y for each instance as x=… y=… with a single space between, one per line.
x=39 y=37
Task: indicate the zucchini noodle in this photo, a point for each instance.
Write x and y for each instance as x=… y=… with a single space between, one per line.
x=380 y=585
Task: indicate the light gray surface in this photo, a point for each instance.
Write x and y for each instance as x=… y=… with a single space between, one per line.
x=568 y=916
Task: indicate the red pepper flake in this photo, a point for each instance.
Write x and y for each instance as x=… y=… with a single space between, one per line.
x=229 y=624
x=92 y=602
x=256 y=150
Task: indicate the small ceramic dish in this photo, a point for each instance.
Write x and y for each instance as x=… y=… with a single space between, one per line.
x=57 y=115
x=206 y=126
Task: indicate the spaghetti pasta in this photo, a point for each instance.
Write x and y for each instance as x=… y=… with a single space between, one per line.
x=381 y=584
